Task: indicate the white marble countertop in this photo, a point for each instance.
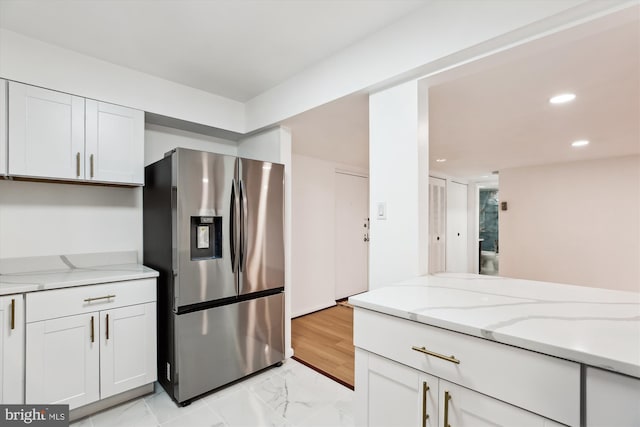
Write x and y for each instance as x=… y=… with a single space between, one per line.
x=597 y=327
x=21 y=275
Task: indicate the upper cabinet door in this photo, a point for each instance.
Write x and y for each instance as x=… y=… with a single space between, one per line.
x=114 y=143
x=3 y=127
x=46 y=133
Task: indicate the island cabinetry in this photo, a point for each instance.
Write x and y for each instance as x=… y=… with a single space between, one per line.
x=612 y=400
x=391 y=394
x=474 y=374
x=90 y=342
x=12 y=349
x=54 y=135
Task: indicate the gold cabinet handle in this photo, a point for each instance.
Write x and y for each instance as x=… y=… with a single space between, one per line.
x=78 y=164
x=92 y=332
x=13 y=314
x=107 y=322
x=451 y=358
x=425 y=416
x=447 y=398
x=91 y=165
x=99 y=298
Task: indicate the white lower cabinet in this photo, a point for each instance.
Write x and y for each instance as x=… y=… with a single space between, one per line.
x=392 y=394
x=613 y=400
x=127 y=334
x=63 y=361
x=395 y=395
x=12 y=349
x=462 y=407
x=82 y=358
x=412 y=374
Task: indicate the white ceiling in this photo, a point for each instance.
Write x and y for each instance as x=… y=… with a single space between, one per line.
x=233 y=48
x=499 y=117
x=494 y=113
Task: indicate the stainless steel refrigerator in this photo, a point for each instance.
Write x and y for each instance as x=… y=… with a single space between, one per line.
x=213 y=228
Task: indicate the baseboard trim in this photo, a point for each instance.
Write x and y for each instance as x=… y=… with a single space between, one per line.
x=101 y=405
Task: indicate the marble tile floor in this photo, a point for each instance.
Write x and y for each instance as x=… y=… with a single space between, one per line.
x=290 y=395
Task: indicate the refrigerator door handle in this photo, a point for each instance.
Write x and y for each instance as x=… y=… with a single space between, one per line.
x=243 y=226
x=232 y=226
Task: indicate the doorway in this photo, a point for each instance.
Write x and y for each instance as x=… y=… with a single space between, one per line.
x=351 y=234
x=488 y=231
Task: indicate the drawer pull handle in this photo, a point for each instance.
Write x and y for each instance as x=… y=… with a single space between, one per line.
x=451 y=358
x=91 y=165
x=78 y=164
x=107 y=322
x=13 y=314
x=425 y=416
x=99 y=298
x=447 y=398
x=92 y=334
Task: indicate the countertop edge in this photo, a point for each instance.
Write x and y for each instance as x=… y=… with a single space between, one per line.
x=7 y=287
x=520 y=342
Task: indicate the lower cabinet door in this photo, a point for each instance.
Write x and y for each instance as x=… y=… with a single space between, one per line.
x=128 y=348
x=12 y=349
x=395 y=394
x=62 y=361
x=461 y=407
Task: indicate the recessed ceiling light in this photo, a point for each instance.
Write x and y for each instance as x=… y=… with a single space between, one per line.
x=441 y=160
x=562 y=98
x=580 y=143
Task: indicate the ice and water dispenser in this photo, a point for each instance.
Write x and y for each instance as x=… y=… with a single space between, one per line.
x=206 y=237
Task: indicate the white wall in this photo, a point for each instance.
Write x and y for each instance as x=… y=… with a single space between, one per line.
x=313 y=243
x=34 y=62
x=399 y=177
x=52 y=219
x=576 y=223
x=160 y=139
x=38 y=219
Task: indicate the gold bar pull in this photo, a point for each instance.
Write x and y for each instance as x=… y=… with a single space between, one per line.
x=451 y=358
x=107 y=322
x=425 y=416
x=92 y=334
x=78 y=164
x=99 y=298
x=13 y=314
x=91 y=164
x=447 y=398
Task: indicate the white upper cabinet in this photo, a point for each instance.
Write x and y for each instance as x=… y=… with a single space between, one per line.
x=3 y=127
x=60 y=136
x=46 y=133
x=113 y=149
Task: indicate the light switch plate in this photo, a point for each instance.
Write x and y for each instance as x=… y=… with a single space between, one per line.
x=381 y=212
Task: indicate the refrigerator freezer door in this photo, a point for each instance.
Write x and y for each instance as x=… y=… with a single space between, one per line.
x=262 y=219
x=202 y=202
x=222 y=344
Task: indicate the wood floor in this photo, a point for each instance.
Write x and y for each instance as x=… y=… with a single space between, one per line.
x=324 y=341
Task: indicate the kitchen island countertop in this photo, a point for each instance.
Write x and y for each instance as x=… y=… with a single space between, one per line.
x=593 y=326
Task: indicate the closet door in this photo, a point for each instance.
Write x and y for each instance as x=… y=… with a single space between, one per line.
x=437 y=223
x=456 y=252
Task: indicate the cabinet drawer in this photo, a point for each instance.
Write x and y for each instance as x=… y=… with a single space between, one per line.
x=542 y=384
x=84 y=299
